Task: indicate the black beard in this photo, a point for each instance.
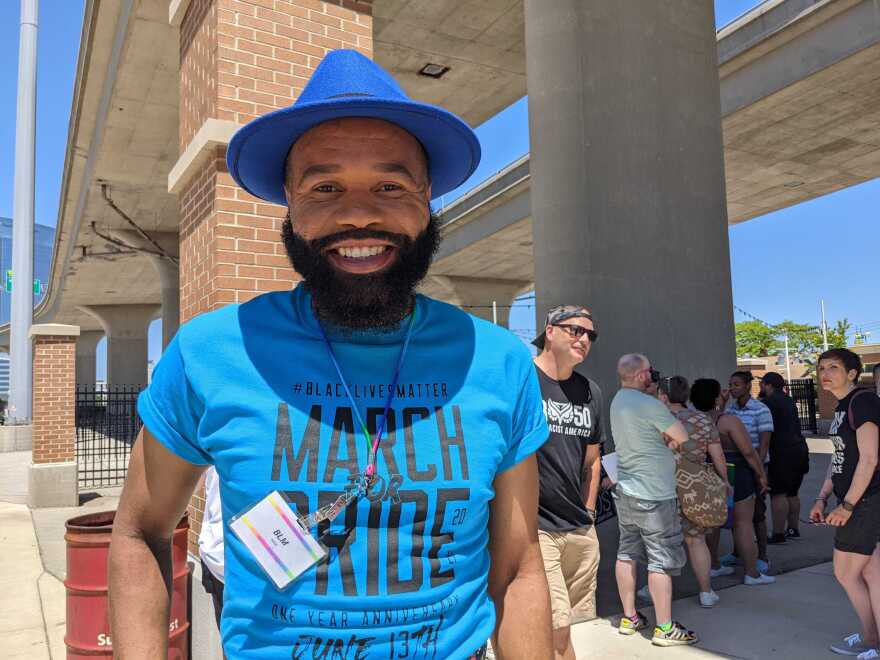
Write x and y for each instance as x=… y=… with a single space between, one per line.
x=377 y=301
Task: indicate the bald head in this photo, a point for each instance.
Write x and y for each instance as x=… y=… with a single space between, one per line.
x=630 y=365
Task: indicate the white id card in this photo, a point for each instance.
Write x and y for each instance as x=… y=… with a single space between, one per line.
x=275 y=538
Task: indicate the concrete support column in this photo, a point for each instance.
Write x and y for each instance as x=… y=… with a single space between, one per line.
x=86 y=349
x=126 y=329
x=52 y=477
x=476 y=295
x=627 y=170
x=169 y=277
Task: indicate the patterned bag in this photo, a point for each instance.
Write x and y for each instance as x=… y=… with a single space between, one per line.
x=702 y=494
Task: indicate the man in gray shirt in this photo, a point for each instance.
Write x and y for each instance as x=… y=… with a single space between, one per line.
x=646 y=435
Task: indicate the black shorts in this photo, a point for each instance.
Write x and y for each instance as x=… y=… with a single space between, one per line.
x=787 y=470
x=861 y=533
x=743 y=478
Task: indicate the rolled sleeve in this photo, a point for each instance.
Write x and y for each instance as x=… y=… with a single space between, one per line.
x=171 y=410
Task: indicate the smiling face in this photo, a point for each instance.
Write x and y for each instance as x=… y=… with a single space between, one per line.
x=359 y=228
x=358 y=174
x=566 y=348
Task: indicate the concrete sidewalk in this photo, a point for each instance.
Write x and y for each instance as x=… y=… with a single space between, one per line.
x=32 y=600
x=795 y=619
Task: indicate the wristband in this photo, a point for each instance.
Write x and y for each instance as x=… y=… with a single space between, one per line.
x=824 y=500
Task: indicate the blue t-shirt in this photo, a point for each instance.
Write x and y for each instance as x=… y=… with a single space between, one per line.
x=251 y=389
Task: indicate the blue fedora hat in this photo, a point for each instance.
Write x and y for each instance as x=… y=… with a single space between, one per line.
x=347 y=84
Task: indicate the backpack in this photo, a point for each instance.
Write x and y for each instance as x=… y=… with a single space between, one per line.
x=702 y=494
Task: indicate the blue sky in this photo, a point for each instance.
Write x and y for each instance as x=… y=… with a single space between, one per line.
x=800 y=233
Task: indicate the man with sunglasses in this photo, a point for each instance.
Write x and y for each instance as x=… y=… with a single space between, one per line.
x=569 y=468
x=646 y=436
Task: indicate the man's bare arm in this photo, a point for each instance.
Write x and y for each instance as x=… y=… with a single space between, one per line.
x=592 y=475
x=517 y=582
x=676 y=435
x=156 y=492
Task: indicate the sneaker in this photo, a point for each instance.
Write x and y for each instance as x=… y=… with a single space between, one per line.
x=724 y=570
x=644 y=594
x=730 y=560
x=870 y=654
x=708 y=599
x=851 y=645
x=678 y=635
x=762 y=566
x=632 y=626
x=776 y=539
x=792 y=534
x=761 y=579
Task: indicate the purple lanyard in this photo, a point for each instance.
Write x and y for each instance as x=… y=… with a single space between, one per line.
x=372 y=443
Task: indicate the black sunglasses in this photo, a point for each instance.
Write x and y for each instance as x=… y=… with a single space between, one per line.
x=577 y=331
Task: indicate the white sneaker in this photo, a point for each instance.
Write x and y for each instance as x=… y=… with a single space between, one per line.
x=708 y=599
x=761 y=579
x=724 y=570
x=644 y=593
x=870 y=654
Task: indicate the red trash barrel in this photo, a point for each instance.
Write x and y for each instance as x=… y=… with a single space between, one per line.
x=88 y=623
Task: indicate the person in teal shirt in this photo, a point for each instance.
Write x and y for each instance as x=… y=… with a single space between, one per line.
x=645 y=435
x=399 y=430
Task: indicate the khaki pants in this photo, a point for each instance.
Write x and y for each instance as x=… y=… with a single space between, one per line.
x=571 y=561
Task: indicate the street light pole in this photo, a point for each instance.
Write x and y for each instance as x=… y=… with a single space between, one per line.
x=23 y=220
x=824 y=328
x=787 y=363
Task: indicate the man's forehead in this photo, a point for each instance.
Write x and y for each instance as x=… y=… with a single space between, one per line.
x=340 y=134
x=579 y=320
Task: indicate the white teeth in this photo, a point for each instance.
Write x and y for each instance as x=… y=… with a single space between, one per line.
x=361 y=252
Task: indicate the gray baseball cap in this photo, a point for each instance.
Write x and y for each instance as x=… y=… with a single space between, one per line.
x=557 y=315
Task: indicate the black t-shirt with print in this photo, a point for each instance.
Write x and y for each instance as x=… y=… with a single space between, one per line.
x=572 y=408
x=866 y=408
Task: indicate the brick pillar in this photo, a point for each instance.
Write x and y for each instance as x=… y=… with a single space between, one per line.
x=240 y=59
x=52 y=479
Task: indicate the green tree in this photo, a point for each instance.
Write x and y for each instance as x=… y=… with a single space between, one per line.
x=803 y=339
x=838 y=334
x=754 y=339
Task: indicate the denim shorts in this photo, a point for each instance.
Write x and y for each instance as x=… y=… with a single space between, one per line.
x=650 y=533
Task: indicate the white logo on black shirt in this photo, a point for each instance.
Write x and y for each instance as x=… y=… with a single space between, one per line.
x=837 y=441
x=568 y=418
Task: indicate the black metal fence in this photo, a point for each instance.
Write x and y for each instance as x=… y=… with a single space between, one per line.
x=803 y=391
x=107 y=424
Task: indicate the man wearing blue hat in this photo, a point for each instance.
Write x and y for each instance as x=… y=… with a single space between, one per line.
x=375 y=448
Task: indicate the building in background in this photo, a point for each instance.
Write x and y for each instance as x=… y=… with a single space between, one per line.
x=44 y=238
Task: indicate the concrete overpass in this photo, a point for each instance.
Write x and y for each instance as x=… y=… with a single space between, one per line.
x=800 y=103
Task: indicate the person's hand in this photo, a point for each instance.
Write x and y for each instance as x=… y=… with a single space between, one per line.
x=606 y=484
x=763 y=487
x=839 y=517
x=674 y=444
x=817 y=513
x=725 y=397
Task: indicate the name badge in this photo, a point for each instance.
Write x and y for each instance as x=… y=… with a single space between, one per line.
x=275 y=538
